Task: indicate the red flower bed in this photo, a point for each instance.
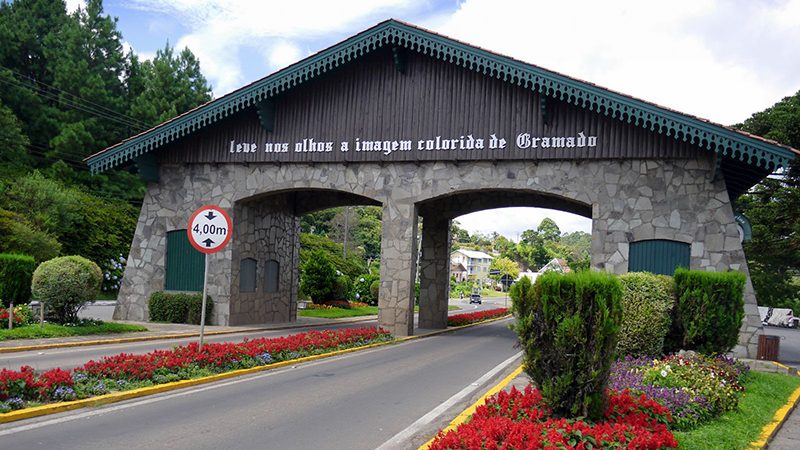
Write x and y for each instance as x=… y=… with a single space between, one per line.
x=477 y=316
x=520 y=420
x=159 y=366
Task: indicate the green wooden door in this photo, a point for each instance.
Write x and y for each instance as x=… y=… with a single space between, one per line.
x=658 y=256
x=184 y=264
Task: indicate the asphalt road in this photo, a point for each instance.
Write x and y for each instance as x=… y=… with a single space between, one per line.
x=355 y=401
x=71 y=357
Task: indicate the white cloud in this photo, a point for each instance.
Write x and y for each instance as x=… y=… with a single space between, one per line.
x=662 y=52
x=283 y=54
x=222 y=30
x=73 y=5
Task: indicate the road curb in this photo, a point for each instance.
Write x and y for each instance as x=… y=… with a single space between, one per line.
x=771 y=429
x=26 y=348
x=115 y=397
x=461 y=418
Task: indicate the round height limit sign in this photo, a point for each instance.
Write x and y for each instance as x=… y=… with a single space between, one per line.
x=209 y=229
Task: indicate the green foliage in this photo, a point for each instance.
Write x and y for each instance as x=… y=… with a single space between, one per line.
x=46 y=203
x=352 y=266
x=646 y=314
x=568 y=325
x=318 y=277
x=65 y=284
x=374 y=290
x=19 y=236
x=773 y=207
x=505 y=266
x=179 y=307
x=50 y=330
x=342 y=288
x=709 y=310
x=15 y=278
x=362 y=288
x=167 y=86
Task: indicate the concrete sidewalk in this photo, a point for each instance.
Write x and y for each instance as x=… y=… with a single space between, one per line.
x=158 y=331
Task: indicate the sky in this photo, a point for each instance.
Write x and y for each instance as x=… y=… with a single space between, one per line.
x=718 y=59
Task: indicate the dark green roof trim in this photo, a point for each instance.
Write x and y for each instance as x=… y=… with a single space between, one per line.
x=724 y=141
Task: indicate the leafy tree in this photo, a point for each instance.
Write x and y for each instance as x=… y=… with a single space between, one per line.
x=46 y=203
x=166 y=86
x=548 y=231
x=505 y=266
x=19 y=236
x=318 y=277
x=352 y=266
x=14 y=158
x=368 y=230
x=773 y=207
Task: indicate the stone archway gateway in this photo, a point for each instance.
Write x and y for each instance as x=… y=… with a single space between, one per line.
x=429 y=127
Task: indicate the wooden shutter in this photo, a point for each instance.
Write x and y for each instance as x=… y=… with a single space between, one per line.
x=659 y=256
x=184 y=264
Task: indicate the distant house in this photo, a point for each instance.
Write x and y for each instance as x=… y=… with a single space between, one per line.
x=476 y=263
x=458 y=272
x=554 y=265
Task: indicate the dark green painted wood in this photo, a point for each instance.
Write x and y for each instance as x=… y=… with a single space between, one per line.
x=271 y=281
x=658 y=256
x=247 y=275
x=184 y=264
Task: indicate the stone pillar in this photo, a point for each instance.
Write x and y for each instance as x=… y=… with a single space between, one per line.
x=398 y=267
x=265 y=231
x=434 y=273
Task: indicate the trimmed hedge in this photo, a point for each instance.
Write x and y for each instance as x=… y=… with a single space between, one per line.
x=65 y=284
x=318 y=278
x=567 y=325
x=646 y=314
x=179 y=307
x=16 y=272
x=709 y=310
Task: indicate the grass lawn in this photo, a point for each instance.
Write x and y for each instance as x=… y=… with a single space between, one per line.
x=764 y=394
x=338 y=313
x=52 y=330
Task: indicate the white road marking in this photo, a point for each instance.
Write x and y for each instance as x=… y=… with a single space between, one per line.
x=189 y=391
x=401 y=439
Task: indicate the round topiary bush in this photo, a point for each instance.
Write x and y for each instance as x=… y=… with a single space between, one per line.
x=65 y=284
x=646 y=314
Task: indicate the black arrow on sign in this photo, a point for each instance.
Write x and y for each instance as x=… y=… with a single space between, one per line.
x=208 y=242
x=210 y=215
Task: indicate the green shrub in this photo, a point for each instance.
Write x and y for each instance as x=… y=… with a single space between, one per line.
x=710 y=309
x=362 y=287
x=646 y=314
x=342 y=288
x=375 y=289
x=16 y=272
x=318 y=278
x=179 y=307
x=65 y=284
x=568 y=325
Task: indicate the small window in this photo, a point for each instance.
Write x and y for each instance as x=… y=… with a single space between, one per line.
x=247 y=275
x=272 y=270
x=659 y=256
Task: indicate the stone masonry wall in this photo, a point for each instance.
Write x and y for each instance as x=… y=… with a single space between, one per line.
x=264 y=231
x=630 y=200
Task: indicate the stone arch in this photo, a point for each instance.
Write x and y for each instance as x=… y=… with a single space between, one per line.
x=267 y=229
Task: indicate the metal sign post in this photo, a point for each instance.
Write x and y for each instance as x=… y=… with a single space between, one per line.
x=209 y=231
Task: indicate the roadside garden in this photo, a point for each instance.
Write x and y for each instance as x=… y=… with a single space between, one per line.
x=63 y=285
x=635 y=361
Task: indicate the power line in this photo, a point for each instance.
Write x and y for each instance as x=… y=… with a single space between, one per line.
x=66 y=102
x=79 y=99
